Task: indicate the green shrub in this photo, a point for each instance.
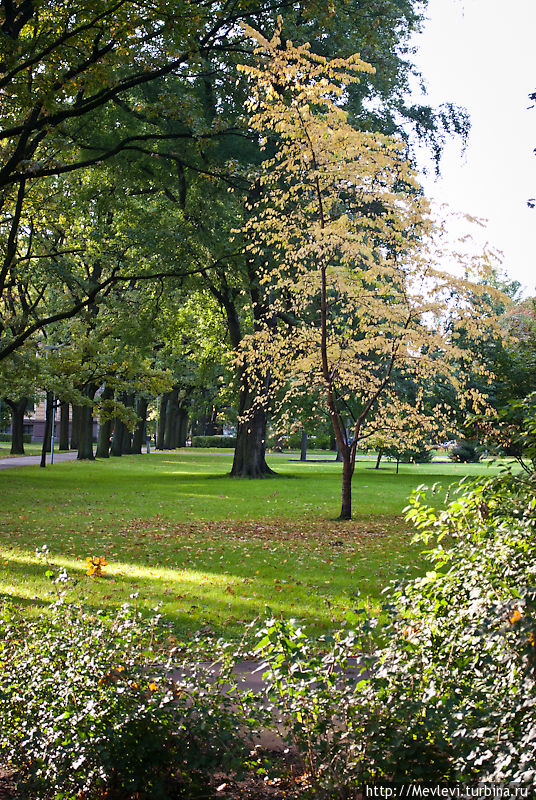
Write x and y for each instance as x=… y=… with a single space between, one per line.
x=471 y=623
x=293 y=441
x=89 y=706
x=444 y=688
x=319 y=442
x=213 y=441
x=450 y=695
x=422 y=455
x=320 y=712
x=465 y=452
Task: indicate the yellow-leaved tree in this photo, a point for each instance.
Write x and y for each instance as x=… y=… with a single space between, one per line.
x=363 y=315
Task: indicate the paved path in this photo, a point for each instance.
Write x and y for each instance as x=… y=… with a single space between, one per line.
x=29 y=461
x=249 y=673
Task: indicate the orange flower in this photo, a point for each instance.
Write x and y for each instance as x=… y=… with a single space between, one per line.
x=153 y=686
x=516 y=615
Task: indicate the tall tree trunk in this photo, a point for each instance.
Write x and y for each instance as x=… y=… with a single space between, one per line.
x=303 y=453
x=103 y=441
x=121 y=434
x=250 y=452
x=17 y=409
x=139 y=430
x=162 y=413
x=47 y=436
x=347 y=473
x=182 y=427
x=75 y=427
x=338 y=457
x=63 y=443
x=105 y=427
x=380 y=454
x=126 y=443
x=116 y=448
x=85 y=443
x=170 y=434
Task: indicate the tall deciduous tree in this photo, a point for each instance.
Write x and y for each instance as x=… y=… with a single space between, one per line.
x=348 y=245
x=66 y=71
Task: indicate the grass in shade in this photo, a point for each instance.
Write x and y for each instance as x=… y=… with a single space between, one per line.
x=212 y=550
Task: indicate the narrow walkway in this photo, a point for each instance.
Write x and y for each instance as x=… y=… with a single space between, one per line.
x=30 y=461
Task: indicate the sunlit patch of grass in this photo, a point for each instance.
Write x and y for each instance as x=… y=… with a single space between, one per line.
x=213 y=551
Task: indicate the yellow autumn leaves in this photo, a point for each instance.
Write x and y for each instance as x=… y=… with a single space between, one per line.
x=95 y=566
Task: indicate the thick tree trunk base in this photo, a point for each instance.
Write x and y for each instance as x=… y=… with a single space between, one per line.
x=249 y=459
x=85 y=455
x=253 y=472
x=172 y=411
x=17 y=426
x=75 y=427
x=161 y=421
x=139 y=431
x=250 y=453
x=116 y=448
x=103 y=444
x=85 y=442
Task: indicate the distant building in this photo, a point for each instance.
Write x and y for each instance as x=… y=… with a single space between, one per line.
x=34 y=423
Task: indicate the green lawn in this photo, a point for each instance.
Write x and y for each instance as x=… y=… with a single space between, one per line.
x=29 y=450
x=212 y=550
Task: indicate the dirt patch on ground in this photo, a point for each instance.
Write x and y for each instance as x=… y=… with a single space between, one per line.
x=8 y=788
x=221 y=786
x=331 y=532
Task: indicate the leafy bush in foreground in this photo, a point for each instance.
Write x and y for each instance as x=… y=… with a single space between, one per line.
x=470 y=625
x=442 y=689
x=451 y=694
x=89 y=708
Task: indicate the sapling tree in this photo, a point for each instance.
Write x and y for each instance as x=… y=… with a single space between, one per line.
x=350 y=258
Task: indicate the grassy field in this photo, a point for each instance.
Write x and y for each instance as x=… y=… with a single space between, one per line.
x=214 y=551
x=29 y=450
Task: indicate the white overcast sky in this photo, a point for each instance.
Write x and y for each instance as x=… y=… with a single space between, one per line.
x=481 y=54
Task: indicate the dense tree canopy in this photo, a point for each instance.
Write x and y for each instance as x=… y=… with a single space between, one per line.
x=128 y=162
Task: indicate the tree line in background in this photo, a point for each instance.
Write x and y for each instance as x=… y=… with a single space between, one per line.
x=167 y=253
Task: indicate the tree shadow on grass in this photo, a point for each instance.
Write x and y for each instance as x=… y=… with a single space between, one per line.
x=20 y=600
